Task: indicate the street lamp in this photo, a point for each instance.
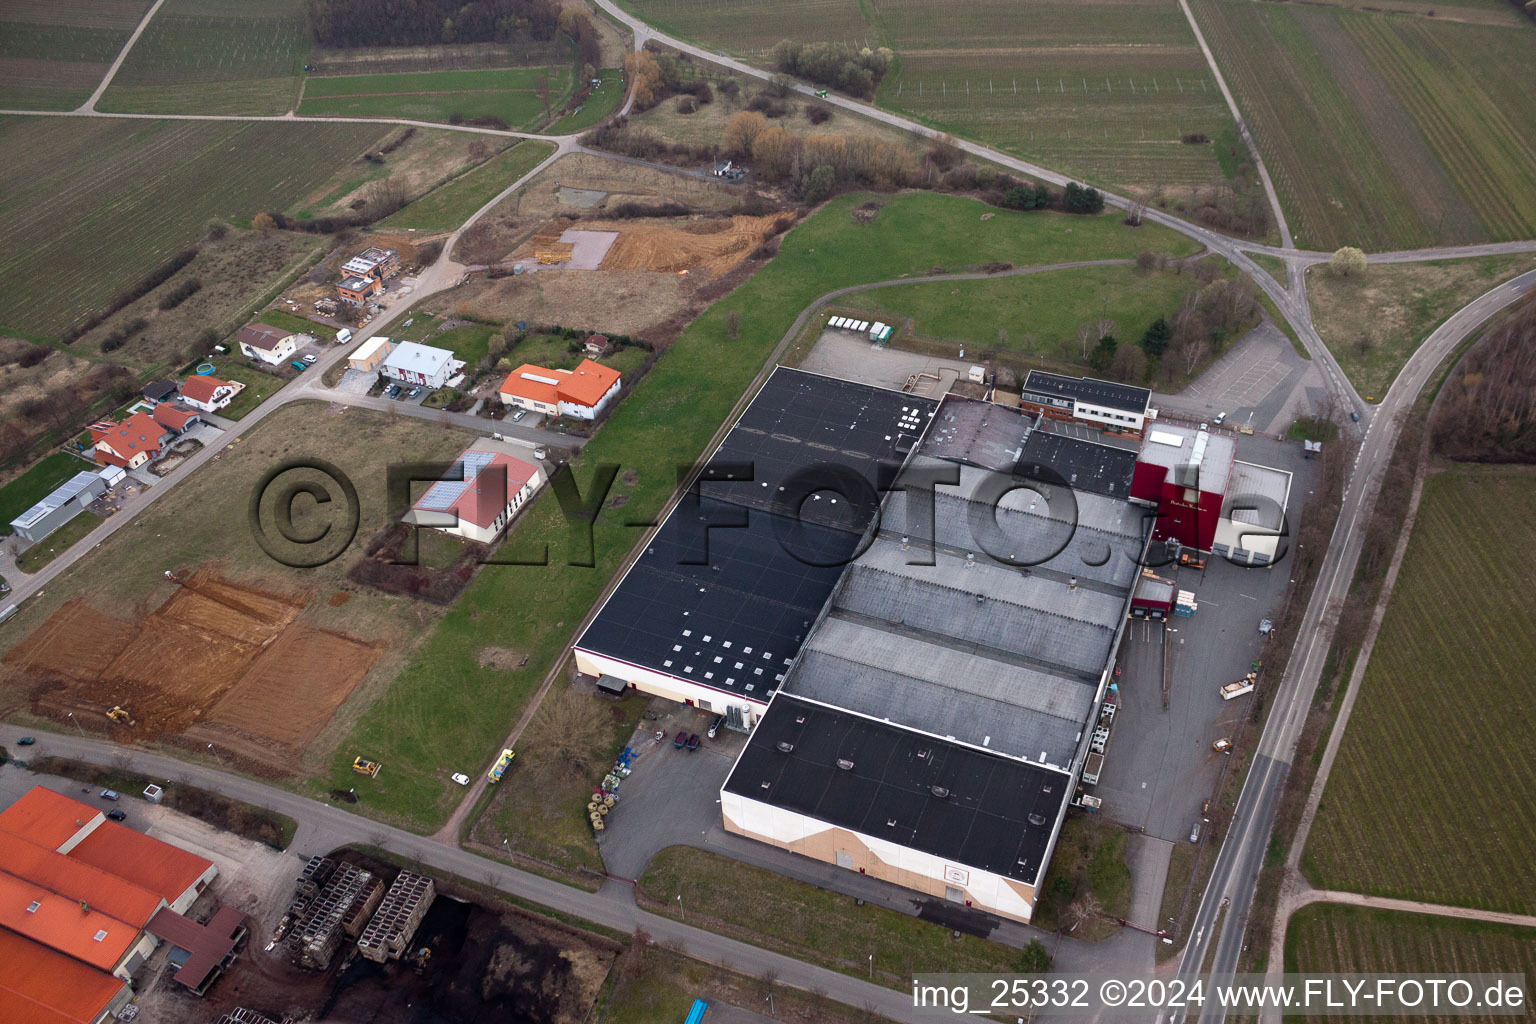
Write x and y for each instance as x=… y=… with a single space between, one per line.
x=680 y=909
x=215 y=753
x=71 y=715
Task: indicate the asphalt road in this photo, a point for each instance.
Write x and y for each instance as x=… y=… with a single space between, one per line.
x=1242 y=855
x=322 y=827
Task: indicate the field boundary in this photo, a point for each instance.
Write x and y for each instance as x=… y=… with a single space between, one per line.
x=89 y=105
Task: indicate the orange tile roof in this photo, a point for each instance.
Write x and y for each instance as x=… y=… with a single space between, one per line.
x=136 y=858
x=174 y=415
x=201 y=389
x=534 y=383
x=60 y=924
x=588 y=383
x=46 y=818
x=76 y=880
x=137 y=433
x=41 y=986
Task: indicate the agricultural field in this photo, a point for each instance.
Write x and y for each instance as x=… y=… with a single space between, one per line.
x=521 y=97
x=250 y=621
x=449 y=205
x=1374 y=322
x=87 y=216
x=53 y=53
x=600 y=103
x=1429 y=797
x=1384 y=131
x=1325 y=938
x=753 y=29
x=451 y=705
x=215 y=57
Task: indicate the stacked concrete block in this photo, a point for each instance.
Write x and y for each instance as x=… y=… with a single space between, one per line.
x=320 y=928
x=388 y=935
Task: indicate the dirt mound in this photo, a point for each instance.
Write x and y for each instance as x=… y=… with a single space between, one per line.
x=216 y=657
x=672 y=248
x=503 y=659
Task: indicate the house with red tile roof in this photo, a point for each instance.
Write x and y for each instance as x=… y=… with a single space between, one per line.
x=481 y=495
x=177 y=417
x=580 y=393
x=128 y=444
x=77 y=895
x=209 y=394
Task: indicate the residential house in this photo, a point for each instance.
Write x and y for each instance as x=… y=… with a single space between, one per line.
x=159 y=391
x=176 y=417
x=65 y=502
x=597 y=346
x=269 y=344
x=129 y=444
x=493 y=486
x=209 y=394
x=356 y=290
x=580 y=393
x=370 y=355
x=412 y=363
x=375 y=262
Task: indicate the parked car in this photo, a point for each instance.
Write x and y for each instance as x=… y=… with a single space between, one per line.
x=297 y=365
x=1221 y=418
x=1265 y=625
x=108 y=794
x=394 y=389
x=715 y=724
x=519 y=415
x=461 y=778
x=414 y=392
x=1194 y=833
x=117 y=815
x=680 y=740
x=1355 y=416
x=27 y=741
x=344 y=335
x=693 y=742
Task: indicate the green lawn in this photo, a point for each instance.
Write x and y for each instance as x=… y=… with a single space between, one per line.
x=448 y=708
x=57 y=542
x=603 y=101
x=1325 y=938
x=449 y=205
x=467 y=343
x=809 y=922
x=34 y=485
x=298 y=324
x=511 y=94
x=1274 y=264
x=1375 y=321
x=1429 y=798
x=258 y=387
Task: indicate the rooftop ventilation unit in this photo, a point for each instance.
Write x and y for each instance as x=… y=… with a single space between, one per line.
x=940 y=792
x=784 y=746
x=845 y=764
x=1036 y=819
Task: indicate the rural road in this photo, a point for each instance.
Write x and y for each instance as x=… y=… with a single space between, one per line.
x=322 y=827
x=89 y=106
x=1242 y=854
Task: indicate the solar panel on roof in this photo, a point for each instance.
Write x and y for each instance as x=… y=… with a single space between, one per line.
x=441 y=495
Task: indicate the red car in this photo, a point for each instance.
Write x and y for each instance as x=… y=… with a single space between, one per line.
x=693 y=742
x=681 y=741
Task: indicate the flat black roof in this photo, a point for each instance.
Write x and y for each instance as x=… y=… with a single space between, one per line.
x=1097 y=392
x=997 y=814
x=1085 y=465
x=725 y=593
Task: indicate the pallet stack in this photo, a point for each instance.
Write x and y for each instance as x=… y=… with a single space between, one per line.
x=389 y=934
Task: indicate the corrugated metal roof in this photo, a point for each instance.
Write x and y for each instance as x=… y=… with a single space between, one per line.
x=41 y=986
x=1258 y=482
x=56 y=498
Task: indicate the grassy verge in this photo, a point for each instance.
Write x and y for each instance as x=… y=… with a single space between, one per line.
x=258 y=388
x=1284 y=325
x=812 y=924
x=1375 y=321
x=451 y=204
x=511 y=94
x=34 y=485
x=451 y=705
x=298 y=324
x=1310 y=428
x=1088 y=867
x=1274 y=264
x=57 y=542
x=605 y=99
x=221 y=812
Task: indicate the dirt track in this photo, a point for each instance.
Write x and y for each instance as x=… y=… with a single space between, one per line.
x=216 y=662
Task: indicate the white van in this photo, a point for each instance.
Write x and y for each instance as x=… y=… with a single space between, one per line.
x=344 y=335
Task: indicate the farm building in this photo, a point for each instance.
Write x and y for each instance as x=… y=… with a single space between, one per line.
x=128 y=444
x=1100 y=402
x=491 y=487
x=209 y=394
x=80 y=893
x=370 y=355
x=417 y=364
x=580 y=393
x=66 y=501
x=269 y=344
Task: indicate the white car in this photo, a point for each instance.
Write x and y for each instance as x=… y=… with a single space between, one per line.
x=461 y=778
x=519 y=415
x=309 y=358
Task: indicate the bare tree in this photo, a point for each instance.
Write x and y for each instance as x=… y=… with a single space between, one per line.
x=1083 y=909
x=569 y=731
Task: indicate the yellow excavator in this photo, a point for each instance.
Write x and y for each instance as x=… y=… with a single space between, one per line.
x=121 y=716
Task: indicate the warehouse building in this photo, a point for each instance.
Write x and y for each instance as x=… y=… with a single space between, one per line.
x=61 y=505
x=716 y=607
x=1185 y=473
x=1102 y=403
x=480 y=495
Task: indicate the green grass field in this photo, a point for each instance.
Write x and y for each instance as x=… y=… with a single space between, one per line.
x=602 y=102
x=53 y=53
x=57 y=542
x=1429 y=797
x=1325 y=938
x=1375 y=321
x=511 y=94
x=753 y=30
x=34 y=485
x=1382 y=131
x=87 y=215
x=215 y=57
x=299 y=324
x=448 y=708
x=258 y=387
x=449 y=205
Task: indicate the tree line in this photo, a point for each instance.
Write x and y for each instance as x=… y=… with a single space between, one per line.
x=836 y=65
x=349 y=23
x=1487 y=411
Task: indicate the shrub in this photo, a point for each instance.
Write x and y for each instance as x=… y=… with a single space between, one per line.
x=769 y=106
x=836 y=65
x=1082 y=199
x=1194 y=138
x=687 y=105
x=181 y=293
x=817 y=114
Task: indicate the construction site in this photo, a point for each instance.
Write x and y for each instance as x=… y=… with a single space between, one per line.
x=711 y=247
x=216 y=662
x=365 y=941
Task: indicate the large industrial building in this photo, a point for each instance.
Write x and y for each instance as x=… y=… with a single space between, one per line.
x=1104 y=403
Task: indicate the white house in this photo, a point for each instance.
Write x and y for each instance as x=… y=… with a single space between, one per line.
x=580 y=393
x=494 y=486
x=210 y=394
x=413 y=363
x=269 y=344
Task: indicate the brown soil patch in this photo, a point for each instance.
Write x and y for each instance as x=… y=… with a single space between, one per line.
x=340 y=598
x=627 y=301
x=865 y=212
x=503 y=659
x=671 y=248
x=214 y=648
x=630 y=477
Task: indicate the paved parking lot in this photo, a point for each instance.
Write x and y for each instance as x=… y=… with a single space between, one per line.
x=1260 y=382
x=356 y=382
